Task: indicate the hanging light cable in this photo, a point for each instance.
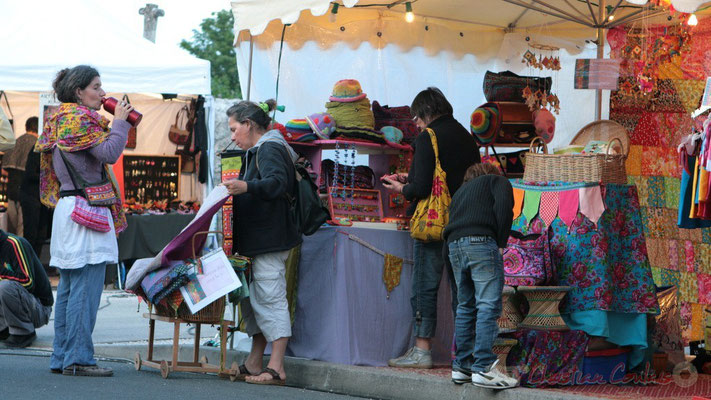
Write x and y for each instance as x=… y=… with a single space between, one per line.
x=409 y=16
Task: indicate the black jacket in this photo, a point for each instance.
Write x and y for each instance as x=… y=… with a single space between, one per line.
x=457 y=151
x=482 y=207
x=262 y=218
x=27 y=270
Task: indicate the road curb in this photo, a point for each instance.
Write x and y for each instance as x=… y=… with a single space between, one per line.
x=369 y=382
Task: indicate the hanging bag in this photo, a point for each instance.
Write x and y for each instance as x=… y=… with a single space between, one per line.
x=132 y=133
x=528 y=261
x=432 y=213
x=178 y=132
x=99 y=194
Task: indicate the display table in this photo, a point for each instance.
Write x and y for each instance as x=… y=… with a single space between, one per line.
x=343 y=313
x=146 y=235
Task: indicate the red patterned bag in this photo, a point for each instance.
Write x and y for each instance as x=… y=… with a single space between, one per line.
x=398 y=117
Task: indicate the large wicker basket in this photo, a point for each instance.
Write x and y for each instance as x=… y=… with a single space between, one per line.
x=602 y=168
x=211 y=314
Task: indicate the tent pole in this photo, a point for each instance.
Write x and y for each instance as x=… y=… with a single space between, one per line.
x=600 y=55
x=249 y=74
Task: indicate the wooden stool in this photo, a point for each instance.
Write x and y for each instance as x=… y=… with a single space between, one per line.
x=501 y=348
x=543 y=302
x=510 y=316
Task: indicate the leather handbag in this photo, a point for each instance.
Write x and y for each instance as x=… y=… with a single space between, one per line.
x=179 y=132
x=432 y=214
x=99 y=194
x=398 y=117
x=528 y=261
x=132 y=133
x=508 y=86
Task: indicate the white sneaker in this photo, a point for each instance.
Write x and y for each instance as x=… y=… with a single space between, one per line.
x=492 y=378
x=460 y=377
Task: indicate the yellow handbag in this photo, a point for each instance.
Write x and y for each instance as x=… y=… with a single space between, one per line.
x=432 y=213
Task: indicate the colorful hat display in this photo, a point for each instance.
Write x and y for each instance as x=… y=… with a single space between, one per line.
x=392 y=134
x=299 y=125
x=322 y=124
x=346 y=91
x=484 y=124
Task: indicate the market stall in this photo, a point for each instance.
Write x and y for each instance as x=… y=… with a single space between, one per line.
x=158 y=81
x=394 y=58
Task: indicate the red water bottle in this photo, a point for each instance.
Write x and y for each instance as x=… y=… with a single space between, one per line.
x=134 y=117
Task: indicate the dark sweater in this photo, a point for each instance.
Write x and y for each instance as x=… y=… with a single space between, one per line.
x=482 y=207
x=263 y=221
x=27 y=270
x=457 y=151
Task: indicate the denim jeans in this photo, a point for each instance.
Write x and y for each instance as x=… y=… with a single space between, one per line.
x=479 y=273
x=78 y=298
x=427 y=274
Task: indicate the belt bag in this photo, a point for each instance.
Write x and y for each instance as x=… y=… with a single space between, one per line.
x=99 y=194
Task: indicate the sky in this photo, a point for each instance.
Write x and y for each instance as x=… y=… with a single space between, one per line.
x=181 y=16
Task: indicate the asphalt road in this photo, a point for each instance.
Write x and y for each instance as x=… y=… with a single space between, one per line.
x=26 y=376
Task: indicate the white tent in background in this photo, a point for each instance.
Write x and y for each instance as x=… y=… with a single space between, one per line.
x=35 y=44
x=450 y=44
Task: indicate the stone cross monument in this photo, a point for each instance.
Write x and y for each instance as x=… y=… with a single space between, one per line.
x=150 y=13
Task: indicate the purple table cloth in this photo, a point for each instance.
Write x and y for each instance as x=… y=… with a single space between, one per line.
x=343 y=314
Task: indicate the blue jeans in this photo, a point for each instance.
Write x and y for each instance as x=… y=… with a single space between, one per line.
x=479 y=273
x=427 y=274
x=78 y=298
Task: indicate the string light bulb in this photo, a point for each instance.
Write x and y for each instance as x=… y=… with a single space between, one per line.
x=409 y=16
x=693 y=21
x=334 y=12
x=611 y=18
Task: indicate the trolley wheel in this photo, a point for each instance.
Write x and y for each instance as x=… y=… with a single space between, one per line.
x=164 y=370
x=234 y=371
x=203 y=359
x=137 y=361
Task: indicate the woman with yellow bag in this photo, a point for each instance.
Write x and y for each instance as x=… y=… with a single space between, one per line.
x=443 y=152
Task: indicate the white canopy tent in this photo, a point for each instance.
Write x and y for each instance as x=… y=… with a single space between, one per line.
x=450 y=44
x=36 y=45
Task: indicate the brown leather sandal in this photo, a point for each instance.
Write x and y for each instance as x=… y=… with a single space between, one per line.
x=276 y=379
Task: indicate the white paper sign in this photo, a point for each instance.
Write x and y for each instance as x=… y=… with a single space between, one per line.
x=706 y=100
x=216 y=280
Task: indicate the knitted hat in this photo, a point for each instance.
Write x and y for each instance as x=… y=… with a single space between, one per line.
x=322 y=124
x=484 y=124
x=346 y=91
x=298 y=125
x=392 y=134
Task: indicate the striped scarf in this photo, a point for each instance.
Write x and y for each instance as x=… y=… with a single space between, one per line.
x=73 y=128
x=24 y=274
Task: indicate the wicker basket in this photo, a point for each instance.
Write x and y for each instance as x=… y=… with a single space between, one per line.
x=543 y=302
x=604 y=130
x=602 y=168
x=510 y=316
x=211 y=314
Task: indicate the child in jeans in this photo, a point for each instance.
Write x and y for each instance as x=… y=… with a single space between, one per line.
x=480 y=217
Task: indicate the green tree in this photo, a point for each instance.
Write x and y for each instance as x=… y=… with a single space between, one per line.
x=214 y=43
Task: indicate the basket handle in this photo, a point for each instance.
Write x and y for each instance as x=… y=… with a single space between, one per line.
x=204 y=233
x=609 y=146
x=542 y=145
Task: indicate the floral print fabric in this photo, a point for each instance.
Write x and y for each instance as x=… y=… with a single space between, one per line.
x=548 y=358
x=608 y=266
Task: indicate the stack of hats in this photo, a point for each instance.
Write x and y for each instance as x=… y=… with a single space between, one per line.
x=350 y=108
x=299 y=130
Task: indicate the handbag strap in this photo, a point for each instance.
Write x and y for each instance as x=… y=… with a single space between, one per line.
x=75 y=177
x=433 y=139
